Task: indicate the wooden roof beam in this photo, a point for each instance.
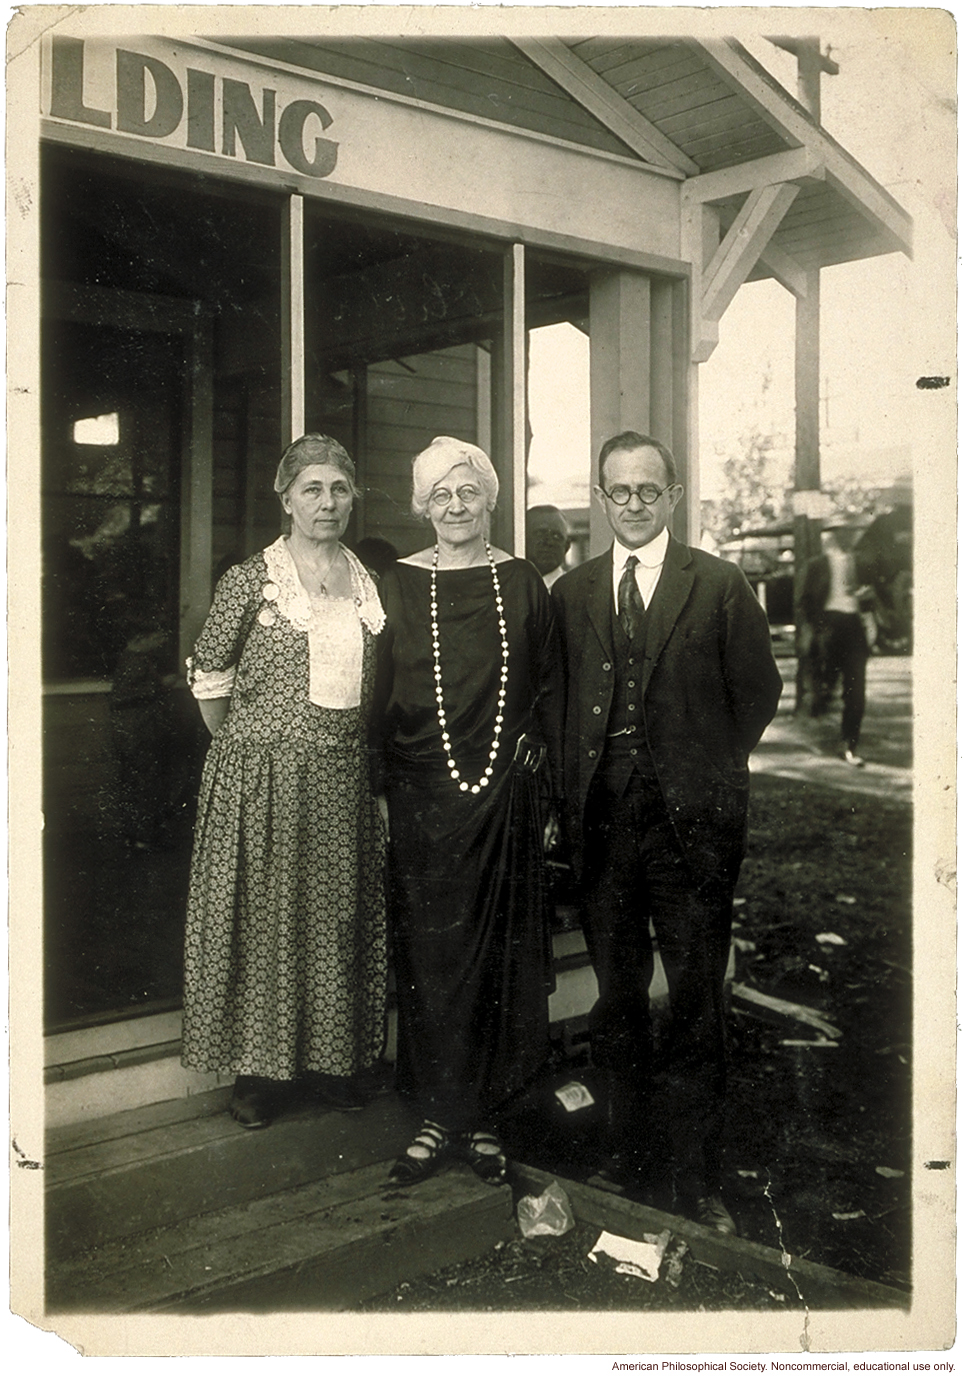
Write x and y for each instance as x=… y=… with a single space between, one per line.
x=792 y=166
x=600 y=99
x=786 y=270
x=730 y=61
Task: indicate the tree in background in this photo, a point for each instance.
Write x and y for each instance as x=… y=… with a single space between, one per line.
x=757 y=490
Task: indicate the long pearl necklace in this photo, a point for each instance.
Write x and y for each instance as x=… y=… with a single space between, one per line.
x=486 y=776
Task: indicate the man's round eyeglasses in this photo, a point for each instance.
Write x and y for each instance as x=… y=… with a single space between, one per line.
x=467 y=493
x=648 y=493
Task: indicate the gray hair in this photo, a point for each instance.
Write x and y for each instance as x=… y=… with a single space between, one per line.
x=434 y=462
x=313 y=449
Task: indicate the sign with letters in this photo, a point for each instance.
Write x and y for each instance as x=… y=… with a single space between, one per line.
x=191 y=98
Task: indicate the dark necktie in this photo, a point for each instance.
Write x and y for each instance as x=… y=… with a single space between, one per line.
x=631 y=607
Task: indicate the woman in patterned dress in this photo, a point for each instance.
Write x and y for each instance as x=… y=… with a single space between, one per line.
x=470 y=681
x=285 y=955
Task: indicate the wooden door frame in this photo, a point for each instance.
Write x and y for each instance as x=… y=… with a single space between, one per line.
x=96 y=306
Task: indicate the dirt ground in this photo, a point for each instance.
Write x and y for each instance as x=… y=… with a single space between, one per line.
x=818 y=1145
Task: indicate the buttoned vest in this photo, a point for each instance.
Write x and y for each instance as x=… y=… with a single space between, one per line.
x=626 y=749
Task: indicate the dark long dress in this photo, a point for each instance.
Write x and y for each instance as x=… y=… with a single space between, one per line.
x=466 y=889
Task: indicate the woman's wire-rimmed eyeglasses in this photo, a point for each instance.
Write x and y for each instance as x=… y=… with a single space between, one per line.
x=467 y=493
x=648 y=493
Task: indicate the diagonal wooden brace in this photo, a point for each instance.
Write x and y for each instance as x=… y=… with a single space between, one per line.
x=739 y=252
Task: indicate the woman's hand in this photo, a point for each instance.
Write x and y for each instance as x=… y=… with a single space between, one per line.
x=382 y=802
x=552 y=832
x=214 y=712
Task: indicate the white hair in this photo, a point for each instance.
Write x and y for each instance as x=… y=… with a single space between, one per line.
x=435 y=461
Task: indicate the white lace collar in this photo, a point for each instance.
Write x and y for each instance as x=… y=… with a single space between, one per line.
x=292 y=598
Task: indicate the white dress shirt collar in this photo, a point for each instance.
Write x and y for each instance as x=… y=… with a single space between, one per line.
x=651 y=558
x=651 y=555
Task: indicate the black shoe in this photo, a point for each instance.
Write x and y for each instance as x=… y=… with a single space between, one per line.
x=712 y=1212
x=255 y=1102
x=433 y=1147
x=482 y=1150
x=342 y=1094
x=376 y=1080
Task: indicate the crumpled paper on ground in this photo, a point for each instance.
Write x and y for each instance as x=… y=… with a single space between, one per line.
x=550 y=1214
x=639 y=1258
x=574 y=1096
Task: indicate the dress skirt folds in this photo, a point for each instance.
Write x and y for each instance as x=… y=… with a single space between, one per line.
x=467 y=897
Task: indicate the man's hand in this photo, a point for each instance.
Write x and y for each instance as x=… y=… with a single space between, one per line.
x=552 y=832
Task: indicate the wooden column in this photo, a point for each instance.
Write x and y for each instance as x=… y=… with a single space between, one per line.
x=687 y=518
x=197 y=507
x=509 y=408
x=806 y=479
x=669 y=390
x=292 y=320
x=358 y=526
x=620 y=369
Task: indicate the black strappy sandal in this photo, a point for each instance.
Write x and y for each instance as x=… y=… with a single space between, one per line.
x=482 y=1150
x=411 y=1169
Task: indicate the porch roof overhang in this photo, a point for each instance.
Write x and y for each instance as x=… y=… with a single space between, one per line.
x=702 y=111
x=764 y=190
x=708 y=109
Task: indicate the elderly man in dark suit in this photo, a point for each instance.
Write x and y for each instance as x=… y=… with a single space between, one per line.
x=670 y=684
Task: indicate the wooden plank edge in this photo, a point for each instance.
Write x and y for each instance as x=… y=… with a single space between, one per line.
x=815 y=1284
x=361 y=1269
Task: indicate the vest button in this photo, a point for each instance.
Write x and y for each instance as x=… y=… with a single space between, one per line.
x=631 y=660
x=597 y=709
x=592 y=752
x=606 y=666
x=631 y=684
x=633 y=752
x=631 y=708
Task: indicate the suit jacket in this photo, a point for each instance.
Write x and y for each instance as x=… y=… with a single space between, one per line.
x=709 y=687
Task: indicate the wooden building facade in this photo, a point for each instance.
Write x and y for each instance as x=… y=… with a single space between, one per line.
x=243 y=240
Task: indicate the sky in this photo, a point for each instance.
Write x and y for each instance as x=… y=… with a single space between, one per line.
x=889 y=106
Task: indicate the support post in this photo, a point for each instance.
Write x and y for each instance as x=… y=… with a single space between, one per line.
x=509 y=408
x=807 y=480
x=620 y=369
x=292 y=320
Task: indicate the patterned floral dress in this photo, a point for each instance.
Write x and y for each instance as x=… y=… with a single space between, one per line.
x=285 y=954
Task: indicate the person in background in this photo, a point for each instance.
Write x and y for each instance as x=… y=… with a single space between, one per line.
x=470 y=681
x=376 y=553
x=285 y=954
x=547 y=540
x=831 y=601
x=670 y=682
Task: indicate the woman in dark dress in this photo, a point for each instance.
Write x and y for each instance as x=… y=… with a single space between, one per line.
x=470 y=680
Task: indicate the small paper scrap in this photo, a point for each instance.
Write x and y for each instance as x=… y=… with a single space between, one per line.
x=574 y=1096
x=829 y=938
x=889 y=1173
x=639 y=1258
x=811 y=1044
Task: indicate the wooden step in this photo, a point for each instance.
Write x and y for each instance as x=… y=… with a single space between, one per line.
x=324 y=1245
x=149 y=1168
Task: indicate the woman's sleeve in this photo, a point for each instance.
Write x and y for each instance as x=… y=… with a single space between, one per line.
x=211 y=669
